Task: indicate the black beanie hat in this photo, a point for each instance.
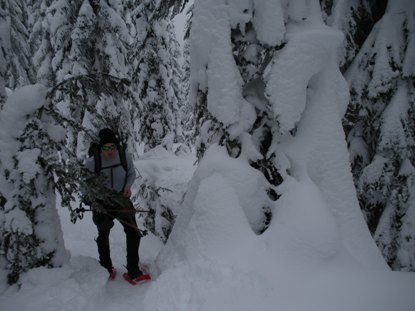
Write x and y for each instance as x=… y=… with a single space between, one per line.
x=107 y=136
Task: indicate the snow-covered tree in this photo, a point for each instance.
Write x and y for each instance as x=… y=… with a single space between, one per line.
x=40 y=42
x=30 y=226
x=4 y=51
x=90 y=39
x=84 y=53
x=231 y=107
x=187 y=109
x=381 y=122
x=168 y=8
x=20 y=70
x=81 y=52
x=98 y=55
x=156 y=79
x=266 y=82
x=355 y=18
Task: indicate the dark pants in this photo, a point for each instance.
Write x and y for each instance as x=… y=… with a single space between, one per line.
x=104 y=223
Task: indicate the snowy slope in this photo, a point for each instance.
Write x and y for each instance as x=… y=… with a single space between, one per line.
x=253 y=280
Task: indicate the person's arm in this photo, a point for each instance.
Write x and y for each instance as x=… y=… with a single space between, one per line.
x=130 y=178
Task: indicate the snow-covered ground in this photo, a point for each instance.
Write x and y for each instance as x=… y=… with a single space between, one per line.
x=254 y=280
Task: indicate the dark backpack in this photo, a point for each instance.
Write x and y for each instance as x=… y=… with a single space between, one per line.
x=95 y=151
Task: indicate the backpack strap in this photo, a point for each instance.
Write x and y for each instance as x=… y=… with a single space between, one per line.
x=95 y=151
x=123 y=159
x=123 y=156
x=98 y=164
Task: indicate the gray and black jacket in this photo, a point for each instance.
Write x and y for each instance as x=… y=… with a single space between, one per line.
x=117 y=178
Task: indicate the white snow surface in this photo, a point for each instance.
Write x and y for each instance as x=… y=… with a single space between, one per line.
x=218 y=263
x=268 y=21
x=14 y=114
x=308 y=51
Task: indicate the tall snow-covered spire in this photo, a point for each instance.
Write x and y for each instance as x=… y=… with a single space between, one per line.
x=270 y=106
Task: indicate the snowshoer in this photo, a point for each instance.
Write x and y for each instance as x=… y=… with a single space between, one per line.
x=115 y=164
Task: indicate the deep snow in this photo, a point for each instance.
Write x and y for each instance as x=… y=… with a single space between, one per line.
x=253 y=280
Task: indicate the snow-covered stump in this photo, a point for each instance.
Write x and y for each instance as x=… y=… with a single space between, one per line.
x=30 y=226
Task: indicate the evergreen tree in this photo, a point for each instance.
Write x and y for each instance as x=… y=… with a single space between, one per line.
x=356 y=19
x=19 y=65
x=96 y=51
x=4 y=51
x=270 y=99
x=381 y=135
x=40 y=42
x=186 y=109
x=156 y=76
x=84 y=50
x=168 y=8
x=156 y=79
x=249 y=130
x=88 y=74
x=30 y=226
x=36 y=165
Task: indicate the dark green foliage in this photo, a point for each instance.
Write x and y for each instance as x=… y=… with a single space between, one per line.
x=63 y=173
x=23 y=254
x=379 y=125
x=169 y=8
x=20 y=70
x=2 y=201
x=160 y=218
x=251 y=68
x=392 y=241
x=23 y=249
x=88 y=86
x=358 y=18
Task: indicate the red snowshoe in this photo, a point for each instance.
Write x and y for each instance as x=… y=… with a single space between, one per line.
x=139 y=279
x=113 y=274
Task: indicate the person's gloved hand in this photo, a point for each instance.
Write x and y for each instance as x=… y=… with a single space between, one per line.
x=127 y=192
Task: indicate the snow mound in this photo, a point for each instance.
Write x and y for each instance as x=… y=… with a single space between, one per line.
x=303 y=226
x=220 y=209
x=76 y=286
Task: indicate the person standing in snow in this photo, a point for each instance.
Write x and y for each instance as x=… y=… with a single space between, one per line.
x=116 y=166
